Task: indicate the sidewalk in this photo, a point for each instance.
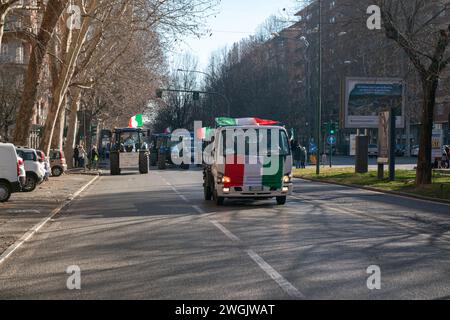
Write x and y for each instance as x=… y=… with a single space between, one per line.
x=24 y=210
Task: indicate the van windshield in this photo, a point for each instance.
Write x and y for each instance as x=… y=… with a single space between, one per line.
x=254 y=142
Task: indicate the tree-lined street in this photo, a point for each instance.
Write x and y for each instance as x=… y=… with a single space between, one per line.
x=225 y=150
x=154 y=237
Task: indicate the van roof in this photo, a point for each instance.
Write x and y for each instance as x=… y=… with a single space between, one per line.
x=251 y=127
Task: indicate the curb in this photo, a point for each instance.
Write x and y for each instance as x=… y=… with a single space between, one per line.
x=395 y=193
x=86 y=173
x=31 y=232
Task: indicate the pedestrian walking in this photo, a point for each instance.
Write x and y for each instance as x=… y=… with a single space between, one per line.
x=82 y=157
x=447 y=150
x=94 y=158
x=324 y=159
x=304 y=158
x=297 y=154
x=444 y=160
x=76 y=156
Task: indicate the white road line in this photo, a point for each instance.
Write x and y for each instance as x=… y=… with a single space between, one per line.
x=22 y=211
x=287 y=287
x=30 y=233
x=198 y=209
x=225 y=231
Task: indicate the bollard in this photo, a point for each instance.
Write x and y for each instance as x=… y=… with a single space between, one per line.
x=380 y=171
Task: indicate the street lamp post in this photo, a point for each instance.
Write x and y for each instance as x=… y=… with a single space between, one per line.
x=319 y=105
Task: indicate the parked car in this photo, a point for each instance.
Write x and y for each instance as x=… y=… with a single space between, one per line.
x=373 y=150
x=58 y=162
x=34 y=169
x=45 y=162
x=12 y=171
x=415 y=151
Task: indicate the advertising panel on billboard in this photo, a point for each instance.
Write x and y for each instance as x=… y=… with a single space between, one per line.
x=366 y=98
x=436 y=143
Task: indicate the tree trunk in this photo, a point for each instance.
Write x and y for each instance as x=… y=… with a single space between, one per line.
x=424 y=169
x=3 y=13
x=72 y=127
x=52 y=13
x=65 y=75
x=58 y=133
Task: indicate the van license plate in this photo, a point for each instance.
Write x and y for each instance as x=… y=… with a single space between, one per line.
x=256 y=189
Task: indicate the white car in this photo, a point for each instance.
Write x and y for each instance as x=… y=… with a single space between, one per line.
x=415 y=151
x=12 y=171
x=34 y=169
x=373 y=150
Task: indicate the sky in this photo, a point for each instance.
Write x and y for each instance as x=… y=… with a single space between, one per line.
x=236 y=19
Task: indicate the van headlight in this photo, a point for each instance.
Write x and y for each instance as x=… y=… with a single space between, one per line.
x=221 y=179
x=287 y=178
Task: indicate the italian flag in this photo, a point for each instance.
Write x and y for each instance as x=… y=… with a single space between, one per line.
x=136 y=121
x=223 y=121
x=203 y=133
x=261 y=173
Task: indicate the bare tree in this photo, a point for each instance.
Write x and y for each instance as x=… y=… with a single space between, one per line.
x=10 y=92
x=179 y=109
x=421 y=29
x=53 y=11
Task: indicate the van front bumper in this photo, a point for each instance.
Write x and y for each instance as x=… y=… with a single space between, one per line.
x=248 y=192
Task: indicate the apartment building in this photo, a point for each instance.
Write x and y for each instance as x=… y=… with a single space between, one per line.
x=350 y=49
x=21 y=25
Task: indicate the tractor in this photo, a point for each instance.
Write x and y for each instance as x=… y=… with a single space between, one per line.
x=164 y=151
x=129 y=150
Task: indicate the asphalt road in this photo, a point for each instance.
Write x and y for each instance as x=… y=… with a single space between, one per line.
x=153 y=237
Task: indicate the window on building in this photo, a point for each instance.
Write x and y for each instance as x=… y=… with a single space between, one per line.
x=5 y=49
x=19 y=54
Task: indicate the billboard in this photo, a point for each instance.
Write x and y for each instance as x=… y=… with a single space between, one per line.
x=365 y=98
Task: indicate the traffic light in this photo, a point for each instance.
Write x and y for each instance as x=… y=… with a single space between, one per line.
x=93 y=128
x=196 y=96
x=332 y=130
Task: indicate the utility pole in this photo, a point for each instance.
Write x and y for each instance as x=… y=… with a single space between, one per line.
x=319 y=105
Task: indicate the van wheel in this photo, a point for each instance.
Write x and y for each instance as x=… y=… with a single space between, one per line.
x=218 y=200
x=207 y=193
x=5 y=192
x=57 y=171
x=281 y=200
x=30 y=183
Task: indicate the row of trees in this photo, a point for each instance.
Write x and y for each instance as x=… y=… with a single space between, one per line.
x=259 y=79
x=105 y=57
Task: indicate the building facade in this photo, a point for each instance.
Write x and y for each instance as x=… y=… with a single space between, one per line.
x=350 y=49
x=22 y=24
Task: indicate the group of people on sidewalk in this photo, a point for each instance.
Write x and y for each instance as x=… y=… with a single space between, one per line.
x=82 y=159
x=445 y=160
x=299 y=154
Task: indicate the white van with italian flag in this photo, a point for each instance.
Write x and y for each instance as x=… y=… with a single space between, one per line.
x=248 y=158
